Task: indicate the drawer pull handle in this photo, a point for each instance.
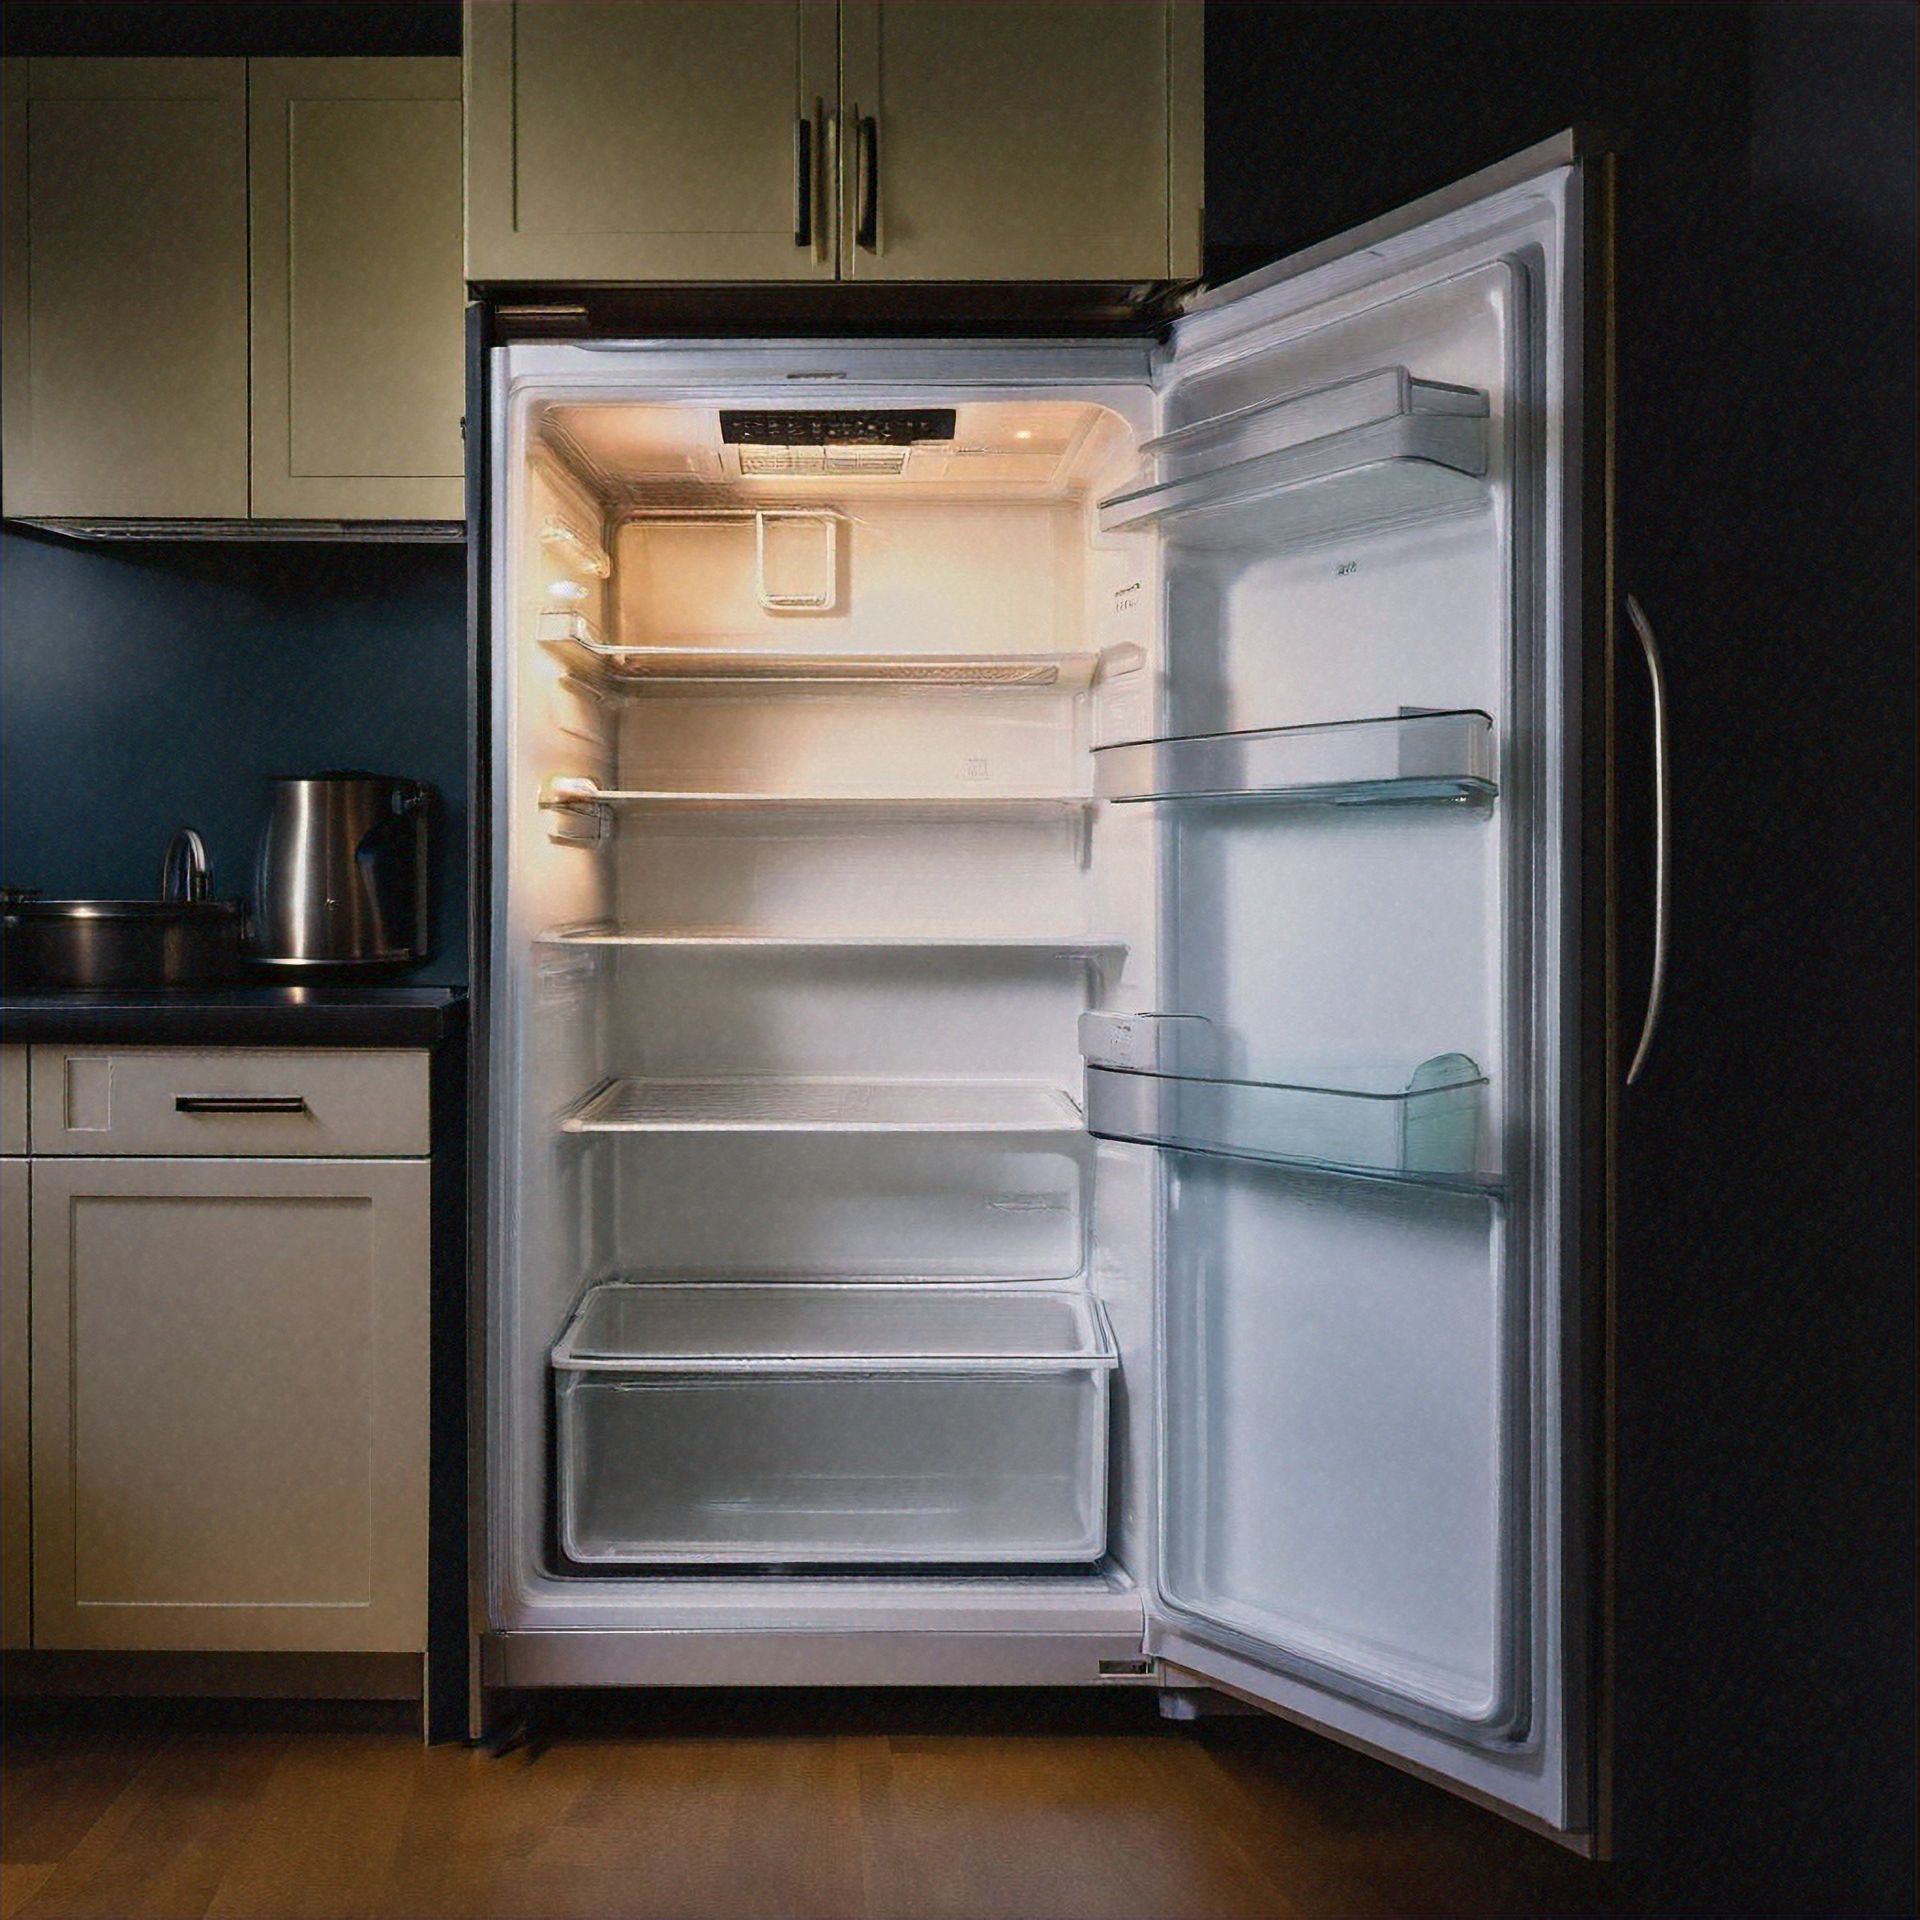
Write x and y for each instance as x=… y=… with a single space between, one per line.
x=239 y=1103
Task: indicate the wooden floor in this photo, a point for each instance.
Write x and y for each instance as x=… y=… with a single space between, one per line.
x=790 y=1805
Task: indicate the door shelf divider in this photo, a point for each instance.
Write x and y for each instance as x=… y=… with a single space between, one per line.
x=1373 y=451
x=1412 y=757
x=1427 y=1128
x=822 y=1103
x=581 y=793
x=606 y=933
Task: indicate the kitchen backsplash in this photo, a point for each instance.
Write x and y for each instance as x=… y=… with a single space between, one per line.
x=143 y=687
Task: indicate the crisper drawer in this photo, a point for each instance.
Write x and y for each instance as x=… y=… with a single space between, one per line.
x=781 y=1423
x=231 y=1102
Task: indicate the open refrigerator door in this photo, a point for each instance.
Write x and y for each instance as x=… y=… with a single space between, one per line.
x=1370 y=1066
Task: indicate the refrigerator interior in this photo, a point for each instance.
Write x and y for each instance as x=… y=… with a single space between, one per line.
x=803 y=887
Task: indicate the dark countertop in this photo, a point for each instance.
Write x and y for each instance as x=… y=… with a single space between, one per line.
x=267 y=1016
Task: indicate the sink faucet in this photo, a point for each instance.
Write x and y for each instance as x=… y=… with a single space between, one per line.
x=184 y=870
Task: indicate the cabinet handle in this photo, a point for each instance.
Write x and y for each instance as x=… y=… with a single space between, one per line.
x=239 y=1103
x=803 y=181
x=866 y=192
x=1662 y=837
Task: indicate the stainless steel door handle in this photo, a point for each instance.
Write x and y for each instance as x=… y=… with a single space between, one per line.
x=239 y=1103
x=1662 y=837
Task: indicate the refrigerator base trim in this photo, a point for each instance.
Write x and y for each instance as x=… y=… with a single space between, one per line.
x=667 y=1658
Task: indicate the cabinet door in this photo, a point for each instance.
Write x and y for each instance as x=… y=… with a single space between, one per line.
x=16 y=1527
x=230 y=1404
x=995 y=141
x=126 y=288
x=358 y=301
x=657 y=142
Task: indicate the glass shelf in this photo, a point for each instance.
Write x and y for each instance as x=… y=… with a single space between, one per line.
x=1425 y=1128
x=822 y=1103
x=1412 y=757
x=578 y=793
x=605 y=934
x=637 y=669
x=1374 y=451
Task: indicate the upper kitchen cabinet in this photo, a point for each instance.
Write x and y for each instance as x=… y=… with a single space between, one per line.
x=890 y=142
x=356 y=289
x=125 y=288
x=991 y=141
x=657 y=142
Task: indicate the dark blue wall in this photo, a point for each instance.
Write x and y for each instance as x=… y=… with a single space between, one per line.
x=145 y=687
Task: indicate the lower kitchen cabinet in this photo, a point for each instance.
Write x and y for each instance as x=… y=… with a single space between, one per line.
x=229 y=1404
x=16 y=1550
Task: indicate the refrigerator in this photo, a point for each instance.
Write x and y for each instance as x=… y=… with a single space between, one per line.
x=1044 y=1038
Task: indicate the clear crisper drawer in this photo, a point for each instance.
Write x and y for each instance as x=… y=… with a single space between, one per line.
x=820 y=1424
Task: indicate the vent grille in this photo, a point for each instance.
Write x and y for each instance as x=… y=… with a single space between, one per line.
x=762 y=461
x=835 y=426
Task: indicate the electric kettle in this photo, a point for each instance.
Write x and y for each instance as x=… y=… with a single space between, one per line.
x=342 y=878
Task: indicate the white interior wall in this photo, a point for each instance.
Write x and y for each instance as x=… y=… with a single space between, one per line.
x=859 y=872
x=951 y=576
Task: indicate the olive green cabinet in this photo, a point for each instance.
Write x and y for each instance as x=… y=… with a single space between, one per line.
x=124 y=341
x=901 y=141
x=657 y=142
x=356 y=289
x=993 y=141
x=232 y=290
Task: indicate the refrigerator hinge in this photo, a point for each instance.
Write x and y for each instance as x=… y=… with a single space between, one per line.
x=1144 y=1672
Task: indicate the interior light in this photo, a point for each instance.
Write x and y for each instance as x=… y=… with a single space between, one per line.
x=567 y=590
x=1023 y=433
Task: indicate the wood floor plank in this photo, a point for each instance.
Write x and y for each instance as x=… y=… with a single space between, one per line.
x=20 y=1880
x=325 y=1832
x=162 y=1848
x=1054 y=1825
x=61 y=1775
x=470 y=1819
x=694 y=1828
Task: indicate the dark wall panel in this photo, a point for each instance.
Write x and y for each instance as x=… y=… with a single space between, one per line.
x=148 y=687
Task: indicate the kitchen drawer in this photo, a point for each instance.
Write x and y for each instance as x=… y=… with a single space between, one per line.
x=13 y=1099
x=185 y=1102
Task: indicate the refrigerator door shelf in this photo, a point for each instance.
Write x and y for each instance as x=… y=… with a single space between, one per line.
x=1398 y=458
x=1427 y=1128
x=1412 y=757
x=823 y=1103
x=1290 y=420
